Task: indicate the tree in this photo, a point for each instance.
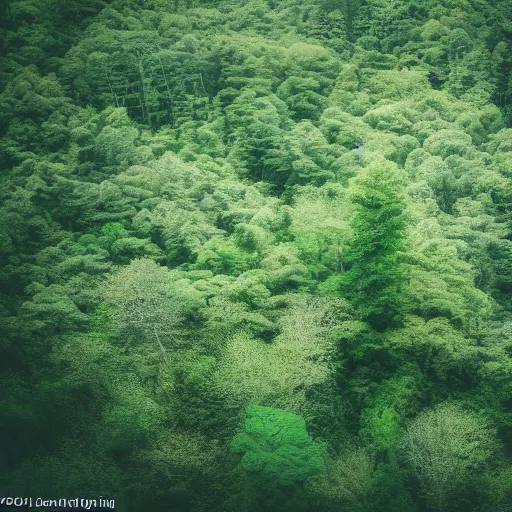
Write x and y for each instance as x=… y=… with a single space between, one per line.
x=447 y=447
x=376 y=278
x=283 y=372
x=276 y=444
x=440 y=351
x=256 y=125
x=141 y=291
x=181 y=467
x=130 y=416
x=349 y=481
x=302 y=98
x=320 y=229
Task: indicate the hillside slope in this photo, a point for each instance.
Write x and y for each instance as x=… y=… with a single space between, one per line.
x=257 y=255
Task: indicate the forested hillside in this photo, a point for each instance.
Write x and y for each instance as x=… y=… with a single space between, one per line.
x=256 y=256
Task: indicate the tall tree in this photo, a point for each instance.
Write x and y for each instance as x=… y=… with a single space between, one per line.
x=376 y=276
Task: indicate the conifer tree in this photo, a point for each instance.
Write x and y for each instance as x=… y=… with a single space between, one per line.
x=376 y=276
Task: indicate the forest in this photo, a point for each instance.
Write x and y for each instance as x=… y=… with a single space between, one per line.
x=256 y=255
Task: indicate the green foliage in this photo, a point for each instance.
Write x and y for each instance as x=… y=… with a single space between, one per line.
x=130 y=418
x=376 y=277
x=444 y=446
x=440 y=351
x=349 y=481
x=226 y=224
x=280 y=373
x=277 y=444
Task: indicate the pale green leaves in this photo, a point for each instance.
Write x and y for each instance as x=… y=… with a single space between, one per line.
x=444 y=446
x=280 y=373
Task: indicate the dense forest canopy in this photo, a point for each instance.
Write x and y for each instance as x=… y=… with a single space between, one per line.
x=256 y=256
